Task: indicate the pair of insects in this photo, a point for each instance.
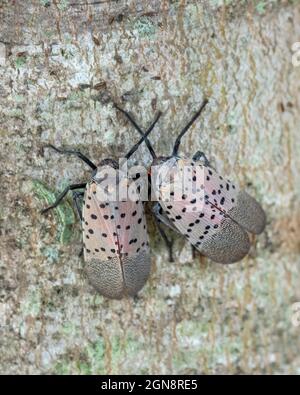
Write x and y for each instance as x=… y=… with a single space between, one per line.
x=214 y=215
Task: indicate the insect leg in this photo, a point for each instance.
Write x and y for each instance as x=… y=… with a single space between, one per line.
x=201 y=155
x=62 y=195
x=73 y=152
x=169 y=243
x=194 y=250
x=158 y=212
x=76 y=196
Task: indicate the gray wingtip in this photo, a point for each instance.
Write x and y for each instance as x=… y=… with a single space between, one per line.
x=117 y=279
x=248 y=213
x=230 y=244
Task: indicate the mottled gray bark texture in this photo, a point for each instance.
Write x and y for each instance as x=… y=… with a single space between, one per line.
x=62 y=62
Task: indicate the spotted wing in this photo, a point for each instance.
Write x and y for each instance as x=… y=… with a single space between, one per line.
x=201 y=219
x=236 y=203
x=99 y=229
x=116 y=247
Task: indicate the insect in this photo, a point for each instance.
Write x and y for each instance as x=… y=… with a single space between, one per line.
x=116 y=246
x=212 y=213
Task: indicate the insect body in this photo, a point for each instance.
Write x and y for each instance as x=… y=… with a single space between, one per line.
x=214 y=218
x=116 y=247
x=212 y=212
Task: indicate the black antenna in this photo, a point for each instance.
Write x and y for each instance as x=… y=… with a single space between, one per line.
x=144 y=138
x=73 y=152
x=129 y=117
x=185 y=129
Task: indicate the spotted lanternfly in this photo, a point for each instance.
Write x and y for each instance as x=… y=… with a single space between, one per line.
x=116 y=246
x=213 y=214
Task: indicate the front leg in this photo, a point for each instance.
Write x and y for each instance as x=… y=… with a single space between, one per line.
x=76 y=197
x=62 y=195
